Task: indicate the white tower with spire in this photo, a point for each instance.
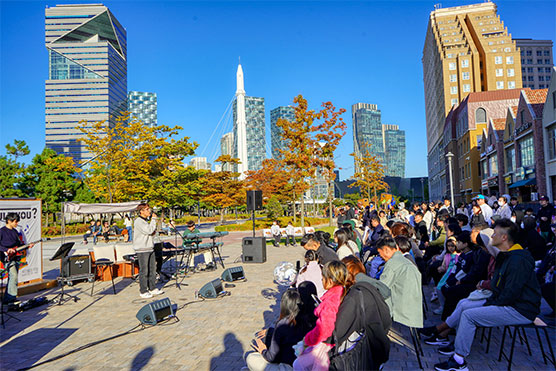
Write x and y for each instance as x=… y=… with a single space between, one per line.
x=241 y=123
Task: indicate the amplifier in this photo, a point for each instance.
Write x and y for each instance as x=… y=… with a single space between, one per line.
x=233 y=274
x=254 y=250
x=154 y=312
x=76 y=266
x=212 y=289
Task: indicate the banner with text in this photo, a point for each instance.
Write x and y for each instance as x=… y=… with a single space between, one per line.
x=29 y=228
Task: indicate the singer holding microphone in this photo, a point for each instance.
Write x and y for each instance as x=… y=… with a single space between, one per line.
x=143 y=243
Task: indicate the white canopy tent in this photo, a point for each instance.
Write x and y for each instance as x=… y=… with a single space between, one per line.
x=109 y=208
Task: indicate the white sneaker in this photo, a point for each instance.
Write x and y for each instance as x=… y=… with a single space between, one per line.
x=156 y=292
x=146 y=295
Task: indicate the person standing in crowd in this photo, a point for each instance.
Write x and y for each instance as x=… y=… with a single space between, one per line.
x=515 y=300
x=290 y=235
x=514 y=204
x=447 y=206
x=421 y=232
x=503 y=208
x=129 y=226
x=143 y=244
x=485 y=208
x=10 y=240
x=427 y=216
x=350 y=212
x=544 y=218
x=276 y=234
x=477 y=218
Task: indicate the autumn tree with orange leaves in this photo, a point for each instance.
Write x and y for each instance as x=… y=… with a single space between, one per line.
x=309 y=141
x=370 y=177
x=272 y=179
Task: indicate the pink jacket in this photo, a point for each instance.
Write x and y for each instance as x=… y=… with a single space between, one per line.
x=326 y=313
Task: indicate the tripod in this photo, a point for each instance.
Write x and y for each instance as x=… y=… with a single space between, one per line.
x=62 y=254
x=2 y=271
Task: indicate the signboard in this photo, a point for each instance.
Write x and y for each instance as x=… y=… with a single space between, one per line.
x=29 y=228
x=508 y=179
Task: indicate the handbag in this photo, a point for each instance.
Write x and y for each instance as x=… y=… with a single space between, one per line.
x=355 y=353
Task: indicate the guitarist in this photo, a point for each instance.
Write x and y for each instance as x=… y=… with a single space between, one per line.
x=9 y=241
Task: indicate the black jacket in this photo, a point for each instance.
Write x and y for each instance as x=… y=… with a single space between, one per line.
x=476 y=267
x=514 y=283
x=326 y=254
x=376 y=323
x=533 y=242
x=284 y=337
x=421 y=232
x=547 y=212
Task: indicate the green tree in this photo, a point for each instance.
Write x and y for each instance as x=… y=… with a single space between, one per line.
x=52 y=177
x=18 y=149
x=13 y=173
x=273 y=208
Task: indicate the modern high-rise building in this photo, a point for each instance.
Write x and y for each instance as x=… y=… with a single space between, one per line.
x=367 y=130
x=281 y=112
x=143 y=106
x=387 y=142
x=536 y=62
x=226 y=148
x=199 y=163
x=87 y=77
x=249 y=129
x=467 y=49
x=394 y=150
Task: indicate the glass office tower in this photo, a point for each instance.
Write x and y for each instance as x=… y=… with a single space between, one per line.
x=87 y=78
x=282 y=112
x=143 y=106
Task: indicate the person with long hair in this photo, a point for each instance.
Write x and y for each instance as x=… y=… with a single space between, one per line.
x=346 y=246
x=315 y=349
x=351 y=327
x=279 y=354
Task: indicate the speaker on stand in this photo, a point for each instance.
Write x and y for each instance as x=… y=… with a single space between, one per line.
x=254 y=202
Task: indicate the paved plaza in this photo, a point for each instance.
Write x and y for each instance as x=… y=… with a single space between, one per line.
x=211 y=334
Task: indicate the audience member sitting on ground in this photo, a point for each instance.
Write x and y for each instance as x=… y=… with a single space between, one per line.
x=276 y=352
x=346 y=246
x=353 y=234
x=311 y=271
x=406 y=230
x=447 y=268
x=334 y=276
x=325 y=253
x=307 y=290
x=404 y=245
x=404 y=280
x=515 y=296
x=374 y=325
x=359 y=275
x=472 y=267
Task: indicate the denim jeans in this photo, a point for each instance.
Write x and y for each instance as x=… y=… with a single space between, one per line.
x=147 y=271
x=12 y=267
x=130 y=234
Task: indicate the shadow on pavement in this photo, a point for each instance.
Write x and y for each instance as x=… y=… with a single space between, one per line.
x=142 y=359
x=271 y=316
x=233 y=350
x=13 y=327
x=27 y=349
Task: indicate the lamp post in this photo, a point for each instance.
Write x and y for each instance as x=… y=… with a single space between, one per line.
x=450 y=156
x=423 y=188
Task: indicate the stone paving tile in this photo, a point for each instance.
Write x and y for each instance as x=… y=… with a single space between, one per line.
x=211 y=334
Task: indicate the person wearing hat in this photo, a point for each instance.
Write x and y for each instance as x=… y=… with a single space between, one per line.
x=503 y=208
x=485 y=209
x=544 y=217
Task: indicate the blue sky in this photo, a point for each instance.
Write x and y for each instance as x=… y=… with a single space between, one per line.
x=187 y=52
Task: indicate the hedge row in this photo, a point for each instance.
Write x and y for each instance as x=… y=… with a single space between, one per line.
x=266 y=223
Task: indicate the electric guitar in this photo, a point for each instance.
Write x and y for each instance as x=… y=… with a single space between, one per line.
x=14 y=254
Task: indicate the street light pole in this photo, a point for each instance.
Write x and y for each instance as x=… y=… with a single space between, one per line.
x=423 y=188
x=450 y=156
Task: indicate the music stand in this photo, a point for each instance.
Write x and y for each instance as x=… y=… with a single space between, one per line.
x=61 y=254
x=2 y=306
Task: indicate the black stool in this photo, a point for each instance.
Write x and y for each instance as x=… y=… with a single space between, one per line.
x=518 y=330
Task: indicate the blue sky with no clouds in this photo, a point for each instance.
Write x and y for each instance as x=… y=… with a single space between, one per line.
x=187 y=52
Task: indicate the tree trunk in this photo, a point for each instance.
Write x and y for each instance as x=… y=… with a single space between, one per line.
x=302 y=210
x=294 y=211
x=221 y=216
x=330 y=196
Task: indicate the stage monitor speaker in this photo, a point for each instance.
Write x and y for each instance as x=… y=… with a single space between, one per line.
x=154 y=312
x=76 y=265
x=254 y=250
x=254 y=200
x=212 y=289
x=233 y=274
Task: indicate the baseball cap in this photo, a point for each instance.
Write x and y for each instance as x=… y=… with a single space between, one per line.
x=544 y=198
x=479 y=197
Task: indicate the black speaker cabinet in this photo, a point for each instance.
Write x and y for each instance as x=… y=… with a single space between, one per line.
x=76 y=267
x=233 y=274
x=154 y=312
x=254 y=249
x=254 y=200
x=212 y=289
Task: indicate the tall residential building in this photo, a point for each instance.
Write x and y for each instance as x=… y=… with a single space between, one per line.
x=467 y=49
x=199 y=163
x=367 y=130
x=282 y=112
x=394 y=150
x=143 y=106
x=226 y=148
x=87 y=77
x=249 y=129
x=536 y=62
